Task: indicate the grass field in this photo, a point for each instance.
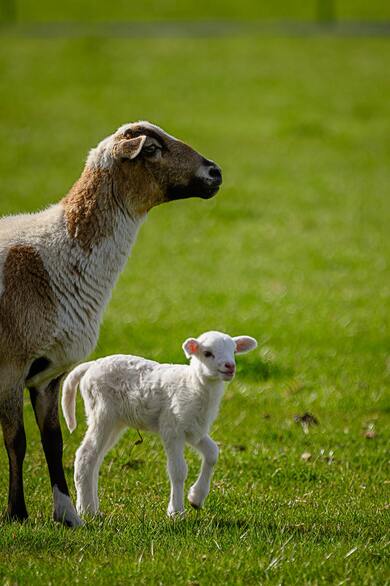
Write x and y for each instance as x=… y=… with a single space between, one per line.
x=294 y=251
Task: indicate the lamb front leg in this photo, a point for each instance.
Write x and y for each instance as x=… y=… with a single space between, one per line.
x=199 y=491
x=177 y=470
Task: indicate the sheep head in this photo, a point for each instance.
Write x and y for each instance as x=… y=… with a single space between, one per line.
x=150 y=167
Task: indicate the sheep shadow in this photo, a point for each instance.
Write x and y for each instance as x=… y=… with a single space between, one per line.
x=261 y=370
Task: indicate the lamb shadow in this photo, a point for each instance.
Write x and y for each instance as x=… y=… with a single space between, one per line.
x=133 y=464
x=221 y=526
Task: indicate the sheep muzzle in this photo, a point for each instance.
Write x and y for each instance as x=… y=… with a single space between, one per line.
x=205 y=183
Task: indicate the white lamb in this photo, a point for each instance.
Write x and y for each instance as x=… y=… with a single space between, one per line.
x=180 y=402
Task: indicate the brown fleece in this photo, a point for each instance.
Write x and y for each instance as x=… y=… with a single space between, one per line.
x=27 y=305
x=86 y=208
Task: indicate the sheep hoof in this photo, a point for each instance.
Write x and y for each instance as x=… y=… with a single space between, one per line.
x=72 y=523
x=68 y=519
x=64 y=511
x=19 y=517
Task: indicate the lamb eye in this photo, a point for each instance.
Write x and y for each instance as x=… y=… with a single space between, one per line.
x=208 y=354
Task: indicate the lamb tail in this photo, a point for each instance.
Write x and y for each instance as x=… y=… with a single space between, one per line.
x=69 y=391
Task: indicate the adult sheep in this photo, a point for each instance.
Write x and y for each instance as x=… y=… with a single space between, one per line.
x=57 y=270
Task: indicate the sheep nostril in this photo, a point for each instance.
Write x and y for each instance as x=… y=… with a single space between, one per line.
x=215 y=172
x=230 y=366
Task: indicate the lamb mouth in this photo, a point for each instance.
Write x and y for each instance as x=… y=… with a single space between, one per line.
x=228 y=375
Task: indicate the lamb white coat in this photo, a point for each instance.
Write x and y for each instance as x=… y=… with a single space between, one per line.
x=179 y=402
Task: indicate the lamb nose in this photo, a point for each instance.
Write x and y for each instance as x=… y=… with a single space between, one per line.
x=230 y=365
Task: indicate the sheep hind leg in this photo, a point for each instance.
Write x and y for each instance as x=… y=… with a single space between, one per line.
x=209 y=452
x=88 y=459
x=11 y=418
x=45 y=405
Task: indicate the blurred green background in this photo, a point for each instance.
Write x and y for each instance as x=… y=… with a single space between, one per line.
x=124 y=10
x=294 y=250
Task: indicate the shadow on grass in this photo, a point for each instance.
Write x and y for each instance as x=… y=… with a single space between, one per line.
x=113 y=536
x=133 y=464
x=262 y=370
x=218 y=527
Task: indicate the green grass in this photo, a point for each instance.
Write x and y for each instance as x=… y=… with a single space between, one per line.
x=294 y=251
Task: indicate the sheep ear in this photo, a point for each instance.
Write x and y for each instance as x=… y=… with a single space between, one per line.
x=244 y=344
x=190 y=347
x=129 y=149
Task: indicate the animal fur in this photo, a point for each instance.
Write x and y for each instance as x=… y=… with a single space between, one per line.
x=178 y=402
x=58 y=268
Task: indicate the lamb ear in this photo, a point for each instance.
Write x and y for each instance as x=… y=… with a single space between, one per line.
x=190 y=347
x=129 y=149
x=244 y=344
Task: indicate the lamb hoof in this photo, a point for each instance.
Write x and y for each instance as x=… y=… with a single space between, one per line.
x=195 y=501
x=176 y=514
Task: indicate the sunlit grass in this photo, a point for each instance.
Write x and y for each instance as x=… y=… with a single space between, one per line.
x=294 y=251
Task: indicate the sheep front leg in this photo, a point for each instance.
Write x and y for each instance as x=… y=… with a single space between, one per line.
x=177 y=470
x=199 y=491
x=45 y=404
x=15 y=442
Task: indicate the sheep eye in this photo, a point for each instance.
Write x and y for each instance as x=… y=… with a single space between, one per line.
x=208 y=354
x=151 y=149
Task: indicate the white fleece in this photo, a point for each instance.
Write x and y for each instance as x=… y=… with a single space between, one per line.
x=179 y=402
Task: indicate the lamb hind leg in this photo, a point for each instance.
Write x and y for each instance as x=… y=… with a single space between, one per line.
x=45 y=405
x=199 y=491
x=98 y=439
x=11 y=417
x=111 y=441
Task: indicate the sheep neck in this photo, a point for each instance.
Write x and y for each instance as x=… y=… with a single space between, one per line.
x=95 y=210
x=102 y=230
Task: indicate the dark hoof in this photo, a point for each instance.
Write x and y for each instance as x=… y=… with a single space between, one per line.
x=64 y=511
x=16 y=516
x=72 y=521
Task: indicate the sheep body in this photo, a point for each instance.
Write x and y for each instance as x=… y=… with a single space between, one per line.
x=52 y=308
x=80 y=284
x=57 y=271
x=179 y=402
